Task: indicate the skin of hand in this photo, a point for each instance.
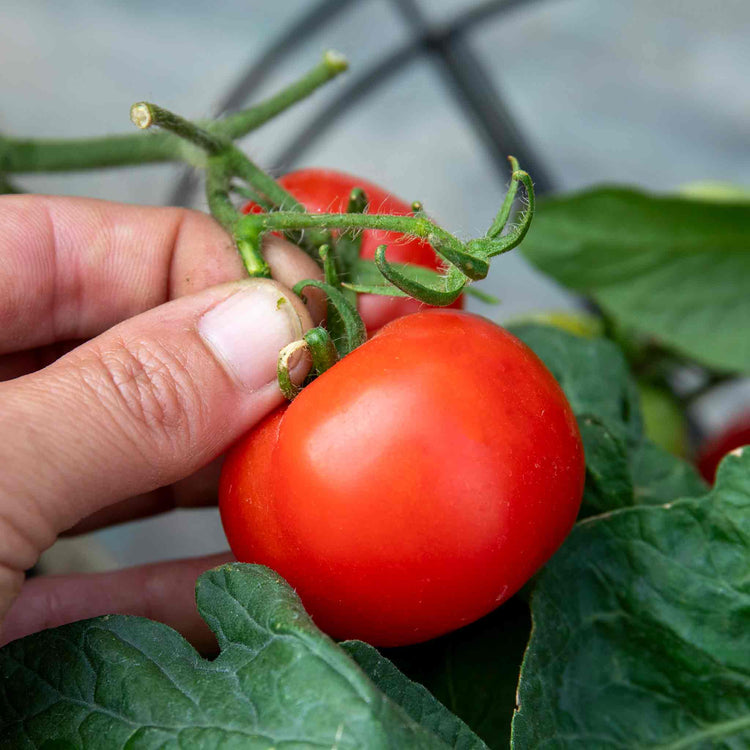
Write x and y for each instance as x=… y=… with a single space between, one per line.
x=131 y=358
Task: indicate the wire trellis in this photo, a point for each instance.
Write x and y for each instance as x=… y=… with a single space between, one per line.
x=443 y=45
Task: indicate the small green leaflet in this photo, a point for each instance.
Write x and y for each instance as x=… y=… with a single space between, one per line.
x=365 y=278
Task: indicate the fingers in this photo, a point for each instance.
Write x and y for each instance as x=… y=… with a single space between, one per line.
x=16 y=364
x=164 y=592
x=74 y=267
x=199 y=490
x=143 y=405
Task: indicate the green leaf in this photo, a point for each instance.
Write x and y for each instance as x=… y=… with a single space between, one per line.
x=604 y=398
x=622 y=467
x=671 y=268
x=415 y=699
x=474 y=671
x=659 y=477
x=609 y=481
x=119 y=681
x=642 y=628
x=594 y=375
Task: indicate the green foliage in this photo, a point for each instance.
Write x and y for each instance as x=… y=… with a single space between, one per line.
x=640 y=637
x=673 y=269
x=622 y=467
x=114 y=682
x=664 y=419
x=641 y=634
x=474 y=670
x=414 y=698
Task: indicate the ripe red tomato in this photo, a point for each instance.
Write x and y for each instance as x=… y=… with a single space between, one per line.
x=415 y=485
x=734 y=435
x=327 y=191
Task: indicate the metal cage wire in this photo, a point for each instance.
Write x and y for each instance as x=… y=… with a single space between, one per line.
x=444 y=45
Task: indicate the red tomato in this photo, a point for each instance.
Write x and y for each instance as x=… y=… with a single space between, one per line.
x=415 y=485
x=327 y=191
x=734 y=435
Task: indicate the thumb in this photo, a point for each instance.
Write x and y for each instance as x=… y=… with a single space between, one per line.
x=145 y=404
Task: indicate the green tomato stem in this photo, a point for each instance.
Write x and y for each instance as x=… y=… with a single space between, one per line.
x=218 y=185
x=225 y=161
x=144 y=115
x=262 y=182
x=239 y=124
x=26 y=155
x=444 y=243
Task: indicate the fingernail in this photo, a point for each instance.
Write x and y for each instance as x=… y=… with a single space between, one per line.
x=247 y=330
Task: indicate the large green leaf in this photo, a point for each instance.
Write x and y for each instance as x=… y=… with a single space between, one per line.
x=641 y=631
x=116 y=681
x=675 y=269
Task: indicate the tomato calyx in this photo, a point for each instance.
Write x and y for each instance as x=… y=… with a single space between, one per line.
x=462 y=262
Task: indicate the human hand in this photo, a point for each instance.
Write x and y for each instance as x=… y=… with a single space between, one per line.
x=125 y=370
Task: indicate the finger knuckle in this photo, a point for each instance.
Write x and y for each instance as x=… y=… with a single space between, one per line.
x=153 y=385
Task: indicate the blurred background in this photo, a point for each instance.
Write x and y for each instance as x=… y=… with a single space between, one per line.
x=584 y=92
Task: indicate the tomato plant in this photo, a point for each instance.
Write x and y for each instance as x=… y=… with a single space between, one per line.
x=428 y=472
x=328 y=190
x=414 y=486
